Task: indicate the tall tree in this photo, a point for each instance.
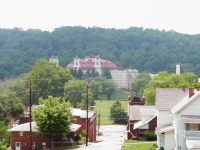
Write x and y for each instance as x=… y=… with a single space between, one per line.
x=106 y=74
x=169 y=80
x=47 y=79
x=53 y=117
x=138 y=85
x=76 y=93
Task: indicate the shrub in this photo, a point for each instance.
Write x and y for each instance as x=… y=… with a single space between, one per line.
x=77 y=138
x=149 y=135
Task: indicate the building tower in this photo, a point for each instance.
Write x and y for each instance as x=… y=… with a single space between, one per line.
x=178 y=70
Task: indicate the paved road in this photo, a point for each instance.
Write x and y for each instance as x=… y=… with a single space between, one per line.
x=112 y=139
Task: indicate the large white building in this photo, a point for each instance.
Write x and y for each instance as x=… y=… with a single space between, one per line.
x=124 y=78
x=92 y=62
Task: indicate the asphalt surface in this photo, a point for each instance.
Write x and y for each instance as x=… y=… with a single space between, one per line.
x=112 y=138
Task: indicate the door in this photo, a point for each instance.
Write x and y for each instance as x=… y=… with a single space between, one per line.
x=17 y=145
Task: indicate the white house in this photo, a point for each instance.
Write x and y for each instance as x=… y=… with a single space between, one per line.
x=178 y=118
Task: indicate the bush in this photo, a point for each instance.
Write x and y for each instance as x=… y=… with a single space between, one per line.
x=77 y=138
x=149 y=135
x=161 y=148
x=118 y=114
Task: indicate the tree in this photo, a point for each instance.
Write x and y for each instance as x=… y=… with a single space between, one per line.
x=10 y=103
x=53 y=117
x=4 y=136
x=76 y=92
x=118 y=114
x=138 y=85
x=169 y=80
x=47 y=79
x=107 y=87
x=106 y=74
x=73 y=91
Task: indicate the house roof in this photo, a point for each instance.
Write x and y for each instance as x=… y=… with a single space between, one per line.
x=166 y=98
x=139 y=112
x=26 y=127
x=143 y=122
x=164 y=129
x=184 y=102
x=76 y=112
x=82 y=113
x=89 y=63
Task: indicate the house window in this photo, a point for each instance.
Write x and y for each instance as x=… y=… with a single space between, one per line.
x=192 y=127
x=20 y=133
x=33 y=145
x=43 y=145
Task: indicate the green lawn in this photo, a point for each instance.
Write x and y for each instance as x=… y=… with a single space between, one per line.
x=138 y=145
x=104 y=107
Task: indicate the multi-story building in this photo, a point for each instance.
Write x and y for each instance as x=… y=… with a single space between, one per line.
x=124 y=78
x=92 y=62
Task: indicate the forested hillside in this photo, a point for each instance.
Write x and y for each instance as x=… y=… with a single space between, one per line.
x=145 y=49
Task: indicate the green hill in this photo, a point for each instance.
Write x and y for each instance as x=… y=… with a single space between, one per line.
x=145 y=49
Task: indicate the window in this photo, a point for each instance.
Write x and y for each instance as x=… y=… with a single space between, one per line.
x=43 y=145
x=33 y=145
x=20 y=133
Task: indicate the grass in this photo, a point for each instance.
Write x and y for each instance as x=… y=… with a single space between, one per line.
x=104 y=107
x=118 y=96
x=138 y=145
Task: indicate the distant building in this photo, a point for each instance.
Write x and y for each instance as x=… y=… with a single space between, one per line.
x=178 y=69
x=124 y=78
x=92 y=62
x=54 y=60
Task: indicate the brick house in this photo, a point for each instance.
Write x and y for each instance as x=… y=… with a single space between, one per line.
x=141 y=118
x=20 y=134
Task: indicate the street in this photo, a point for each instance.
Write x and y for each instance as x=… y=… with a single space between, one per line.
x=111 y=139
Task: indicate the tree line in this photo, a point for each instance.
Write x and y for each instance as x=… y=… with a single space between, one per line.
x=144 y=49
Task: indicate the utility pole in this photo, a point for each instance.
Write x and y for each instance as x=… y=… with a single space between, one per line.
x=87 y=124
x=99 y=122
x=30 y=115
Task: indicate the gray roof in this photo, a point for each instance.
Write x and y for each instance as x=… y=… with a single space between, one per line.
x=140 y=112
x=26 y=127
x=166 y=98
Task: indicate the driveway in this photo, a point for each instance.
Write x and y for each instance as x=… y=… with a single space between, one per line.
x=112 y=139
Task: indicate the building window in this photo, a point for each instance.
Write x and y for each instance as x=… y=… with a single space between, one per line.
x=33 y=145
x=20 y=133
x=43 y=145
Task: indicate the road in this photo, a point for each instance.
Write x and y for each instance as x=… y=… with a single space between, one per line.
x=112 y=139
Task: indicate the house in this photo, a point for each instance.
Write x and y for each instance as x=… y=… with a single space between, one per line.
x=20 y=137
x=141 y=118
x=178 y=120
x=92 y=62
x=20 y=134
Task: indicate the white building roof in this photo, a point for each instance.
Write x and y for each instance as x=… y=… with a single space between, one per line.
x=26 y=127
x=82 y=113
x=143 y=122
x=184 y=102
x=140 y=112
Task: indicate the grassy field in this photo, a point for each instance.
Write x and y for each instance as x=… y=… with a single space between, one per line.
x=138 y=145
x=104 y=107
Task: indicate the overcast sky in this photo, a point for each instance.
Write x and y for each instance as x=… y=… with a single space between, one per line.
x=179 y=15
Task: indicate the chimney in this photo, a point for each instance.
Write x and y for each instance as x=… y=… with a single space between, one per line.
x=191 y=92
x=178 y=70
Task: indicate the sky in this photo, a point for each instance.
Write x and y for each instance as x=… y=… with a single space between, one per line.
x=180 y=15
